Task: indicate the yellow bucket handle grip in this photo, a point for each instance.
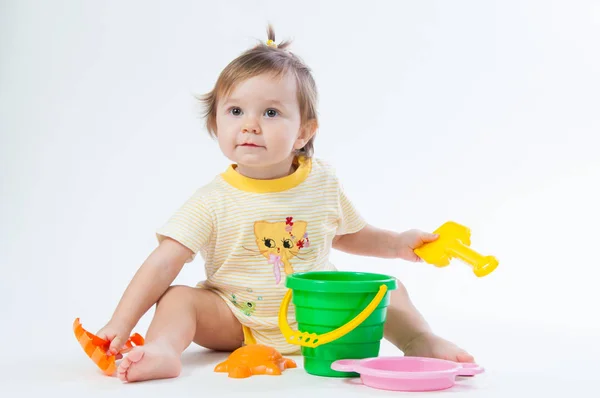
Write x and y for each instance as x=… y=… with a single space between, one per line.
x=312 y=340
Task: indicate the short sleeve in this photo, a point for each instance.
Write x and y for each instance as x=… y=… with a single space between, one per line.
x=350 y=220
x=191 y=225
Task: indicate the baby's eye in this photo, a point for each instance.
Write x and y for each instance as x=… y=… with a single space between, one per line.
x=235 y=111
x=271 y=113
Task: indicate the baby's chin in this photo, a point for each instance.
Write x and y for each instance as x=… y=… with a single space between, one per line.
x=256 y=158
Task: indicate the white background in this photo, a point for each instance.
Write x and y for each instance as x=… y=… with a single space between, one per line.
x=485 y=113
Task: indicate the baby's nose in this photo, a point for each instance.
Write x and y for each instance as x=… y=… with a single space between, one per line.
x=252 y=128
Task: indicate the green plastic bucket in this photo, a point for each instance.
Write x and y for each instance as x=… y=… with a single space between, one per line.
x=326 y=301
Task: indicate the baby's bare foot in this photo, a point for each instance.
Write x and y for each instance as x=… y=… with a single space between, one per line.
x=432 y=346
x=151 y=361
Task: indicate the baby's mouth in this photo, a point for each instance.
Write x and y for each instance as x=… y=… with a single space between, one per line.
x=251 y=145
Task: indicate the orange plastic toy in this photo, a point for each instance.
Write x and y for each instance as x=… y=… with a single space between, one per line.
x=255 y=359
x=96 y=348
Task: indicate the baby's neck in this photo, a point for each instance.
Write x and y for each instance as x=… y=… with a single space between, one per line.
x=269 y=172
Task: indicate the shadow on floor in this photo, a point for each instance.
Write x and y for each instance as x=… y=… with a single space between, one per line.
x=202 y=358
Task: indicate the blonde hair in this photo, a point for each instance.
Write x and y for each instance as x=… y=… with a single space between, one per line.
x=266 y=57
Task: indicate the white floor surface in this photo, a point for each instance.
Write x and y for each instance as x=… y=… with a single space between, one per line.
x=551 y=363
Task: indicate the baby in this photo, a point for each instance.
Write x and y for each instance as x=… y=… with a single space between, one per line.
x=275 y=211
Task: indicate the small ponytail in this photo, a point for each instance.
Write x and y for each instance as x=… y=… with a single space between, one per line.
x=271 y=39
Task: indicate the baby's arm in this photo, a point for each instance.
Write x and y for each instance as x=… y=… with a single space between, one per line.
x=369 y=241
x=377 y=242
x=151 y=280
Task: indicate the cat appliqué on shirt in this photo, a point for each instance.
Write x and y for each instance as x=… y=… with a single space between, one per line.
x=279 y=242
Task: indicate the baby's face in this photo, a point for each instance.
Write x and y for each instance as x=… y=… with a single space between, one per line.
x=258 y=124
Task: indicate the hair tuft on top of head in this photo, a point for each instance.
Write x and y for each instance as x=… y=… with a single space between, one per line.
x=284 y=45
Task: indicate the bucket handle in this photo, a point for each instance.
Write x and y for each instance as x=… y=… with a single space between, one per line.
x=312 y=340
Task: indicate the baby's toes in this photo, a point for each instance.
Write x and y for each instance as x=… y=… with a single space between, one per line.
x=464 y=357
x=123 y=369
x=125 y=366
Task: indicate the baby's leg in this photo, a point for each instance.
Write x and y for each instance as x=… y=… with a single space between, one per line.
x=183 y=314
x=407 y=329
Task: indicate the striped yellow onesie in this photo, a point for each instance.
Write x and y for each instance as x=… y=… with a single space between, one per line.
x=252 y=233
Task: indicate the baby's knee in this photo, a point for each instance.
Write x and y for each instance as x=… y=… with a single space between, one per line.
x=401 y=286
x=175 y=292
x=400 y=290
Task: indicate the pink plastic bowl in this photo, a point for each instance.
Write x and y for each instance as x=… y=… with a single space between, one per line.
x=407 y=373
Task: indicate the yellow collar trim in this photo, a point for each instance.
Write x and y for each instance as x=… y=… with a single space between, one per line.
x=248 y=184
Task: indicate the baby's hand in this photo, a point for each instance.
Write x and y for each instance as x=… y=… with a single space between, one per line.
x=118 y=334
x=411 y=240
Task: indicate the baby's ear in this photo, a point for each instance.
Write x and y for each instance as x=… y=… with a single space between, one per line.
x=307 y=131
x=310 y=129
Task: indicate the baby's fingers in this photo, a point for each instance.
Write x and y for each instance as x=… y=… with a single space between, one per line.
x=116 y=345
x=105 y=334
x=427 y=237
x=101 y=338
